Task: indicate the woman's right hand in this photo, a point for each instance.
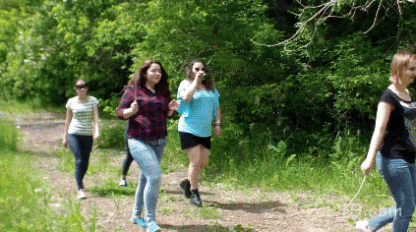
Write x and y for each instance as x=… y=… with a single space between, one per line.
x=366 y=166
x=65 y=142
x=134 y=107
x=198 y=76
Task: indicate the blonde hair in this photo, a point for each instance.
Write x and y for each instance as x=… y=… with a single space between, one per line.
x=399 y=64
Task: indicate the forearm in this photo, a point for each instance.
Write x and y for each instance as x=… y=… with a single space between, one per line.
x=188 y=94
x=218 y=115
x=96 y=121
x=67 y=123
x=375 y=144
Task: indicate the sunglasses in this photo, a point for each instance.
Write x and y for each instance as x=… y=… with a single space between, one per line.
x=81 y=86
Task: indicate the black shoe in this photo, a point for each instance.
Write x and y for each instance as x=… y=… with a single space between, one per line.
x=186 y=187
x=195 y=198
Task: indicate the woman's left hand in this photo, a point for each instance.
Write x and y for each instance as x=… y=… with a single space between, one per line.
x=217 y=130
x=174 y=105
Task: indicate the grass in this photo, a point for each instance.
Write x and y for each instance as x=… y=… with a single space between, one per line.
x=235 y=162
x=25 y=203
x=18 y=107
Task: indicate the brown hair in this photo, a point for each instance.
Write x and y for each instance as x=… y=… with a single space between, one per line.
x=139 y=78
x=399 y=64
x=209 y=84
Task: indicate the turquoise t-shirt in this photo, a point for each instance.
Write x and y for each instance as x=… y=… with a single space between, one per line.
x=197 y=114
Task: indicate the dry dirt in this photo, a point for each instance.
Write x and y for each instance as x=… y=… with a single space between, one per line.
x=223 y=208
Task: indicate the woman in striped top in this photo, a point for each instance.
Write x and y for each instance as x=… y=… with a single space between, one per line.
x=81 y=114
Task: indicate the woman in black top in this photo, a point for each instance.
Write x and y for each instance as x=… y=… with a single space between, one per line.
x=393 y=146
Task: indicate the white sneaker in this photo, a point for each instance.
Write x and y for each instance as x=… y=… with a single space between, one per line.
x=362 y=226
x=81 y=194
x=122 y=183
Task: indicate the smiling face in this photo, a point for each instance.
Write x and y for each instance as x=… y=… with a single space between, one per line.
x=153 y=74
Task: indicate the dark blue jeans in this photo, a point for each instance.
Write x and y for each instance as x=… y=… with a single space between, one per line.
x=129 y=159
x=81 y=148
x=401 y=180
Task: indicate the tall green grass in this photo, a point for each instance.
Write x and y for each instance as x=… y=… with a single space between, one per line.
x=25 y=203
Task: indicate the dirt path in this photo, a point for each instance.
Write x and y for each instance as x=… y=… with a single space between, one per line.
x=223 y=208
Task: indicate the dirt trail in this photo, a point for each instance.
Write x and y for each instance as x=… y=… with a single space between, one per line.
x=223 y=208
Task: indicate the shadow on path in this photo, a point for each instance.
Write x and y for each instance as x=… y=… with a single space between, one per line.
x=249 y=207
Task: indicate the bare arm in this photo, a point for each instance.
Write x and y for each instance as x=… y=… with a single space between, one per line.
x=67 y=123
x=217 y=130
x=383 y=115
x=96 y=124
x=188 y=93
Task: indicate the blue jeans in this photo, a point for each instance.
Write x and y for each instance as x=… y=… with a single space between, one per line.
x=81 y=148
x=401 y=180
x=148 y=154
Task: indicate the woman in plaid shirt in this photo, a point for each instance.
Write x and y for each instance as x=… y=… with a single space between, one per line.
x=146 y=103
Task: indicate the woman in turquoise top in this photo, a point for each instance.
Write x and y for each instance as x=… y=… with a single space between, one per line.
x=200 y=105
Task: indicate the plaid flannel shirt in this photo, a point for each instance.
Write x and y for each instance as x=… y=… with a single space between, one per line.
x=149 y=123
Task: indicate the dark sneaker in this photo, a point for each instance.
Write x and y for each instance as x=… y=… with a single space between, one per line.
x=195 y=198
x=186 y=187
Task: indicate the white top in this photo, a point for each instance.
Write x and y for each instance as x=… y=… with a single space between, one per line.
x=82 y=115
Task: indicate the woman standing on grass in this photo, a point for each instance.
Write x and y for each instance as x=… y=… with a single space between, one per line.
x=146 y=103
x=393 y=146
x=81 y=114
x=200 y=107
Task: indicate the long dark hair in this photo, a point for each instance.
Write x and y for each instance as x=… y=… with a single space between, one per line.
x=139 y=78
x=209 y=84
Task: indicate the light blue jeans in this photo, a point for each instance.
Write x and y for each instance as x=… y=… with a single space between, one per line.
x=401 y=180
x=148 y=154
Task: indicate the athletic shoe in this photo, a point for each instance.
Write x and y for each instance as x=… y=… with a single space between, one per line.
x=195 y=198
x=153 y=227
x=81 y=194
x=186 y=187
x=122 y=183
x=362 y=226
x=139 y=221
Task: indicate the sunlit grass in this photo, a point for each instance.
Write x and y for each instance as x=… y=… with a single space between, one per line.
x=25 y=203
x=24 y=107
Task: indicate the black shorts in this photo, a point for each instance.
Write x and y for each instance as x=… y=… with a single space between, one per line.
x=189 y=140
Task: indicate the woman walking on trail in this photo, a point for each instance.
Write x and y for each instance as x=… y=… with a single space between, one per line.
x=81 y=114
x=127 y=160
x=200 y=105
x=393 y=146
x=147 y=104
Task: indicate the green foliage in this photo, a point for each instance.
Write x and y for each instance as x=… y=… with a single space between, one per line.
x=112 y=134
x=8 y=134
